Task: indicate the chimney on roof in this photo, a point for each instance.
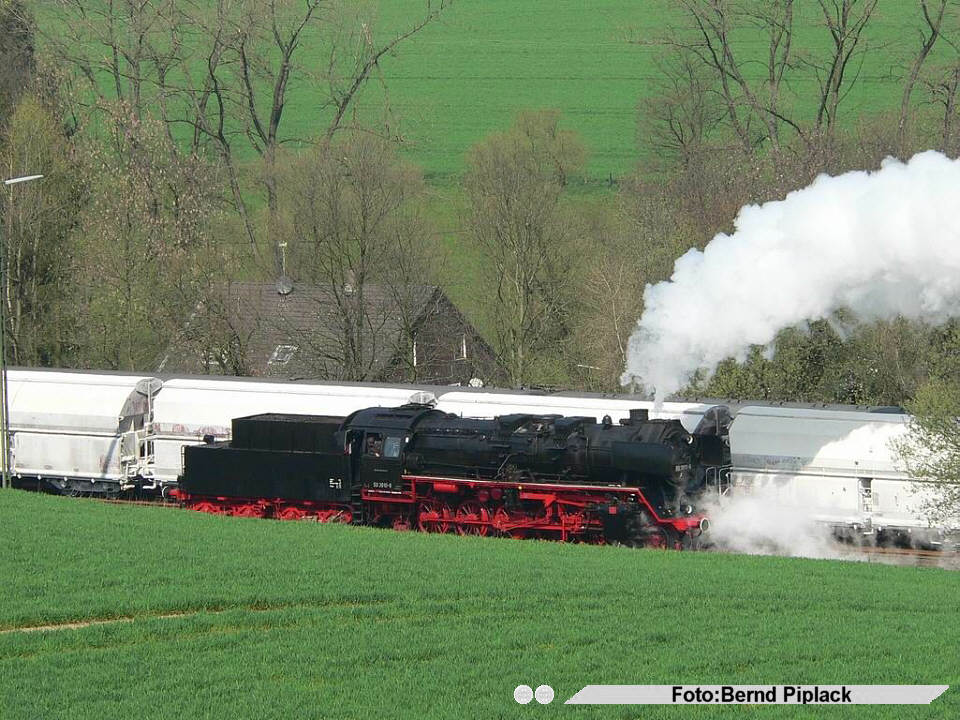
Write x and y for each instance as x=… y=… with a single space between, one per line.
x=348 y=283
x=284 y=284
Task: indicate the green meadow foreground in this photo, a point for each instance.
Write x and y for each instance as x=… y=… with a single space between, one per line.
x=227 y=617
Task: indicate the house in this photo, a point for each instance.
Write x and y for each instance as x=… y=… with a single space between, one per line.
x=375 y=332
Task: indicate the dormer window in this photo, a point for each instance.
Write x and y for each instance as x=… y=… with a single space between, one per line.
x=282 y=354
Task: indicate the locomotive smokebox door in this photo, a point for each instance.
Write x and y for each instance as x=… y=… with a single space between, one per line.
x=380 y=464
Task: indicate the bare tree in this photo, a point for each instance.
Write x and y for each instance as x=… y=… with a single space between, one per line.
x=683 y=110
x=145 y=238
x=115 y=46
x=928 y=38
x=17 y=61
x=224 y=71
x=645 y=233
x=709 y=43
x=515 y=182
x=37 y=221
x=612 y=301
x=256 y=48
x=943 y=88
x=219 y=332
x=837 y=72
x=360 y=244
x=709 y=38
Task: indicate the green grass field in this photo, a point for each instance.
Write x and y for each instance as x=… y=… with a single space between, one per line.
x=470 y=73
x=303 y=620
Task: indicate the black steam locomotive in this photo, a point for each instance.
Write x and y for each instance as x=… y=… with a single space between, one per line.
x=569 y=478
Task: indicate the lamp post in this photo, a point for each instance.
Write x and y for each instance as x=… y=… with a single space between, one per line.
x=4 y=399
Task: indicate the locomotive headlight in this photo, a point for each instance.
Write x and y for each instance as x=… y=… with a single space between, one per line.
x=686 y=509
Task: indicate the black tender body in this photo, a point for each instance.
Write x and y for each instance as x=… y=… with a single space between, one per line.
x=297 y=457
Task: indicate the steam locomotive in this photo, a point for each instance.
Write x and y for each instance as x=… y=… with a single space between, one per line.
x=523 y=475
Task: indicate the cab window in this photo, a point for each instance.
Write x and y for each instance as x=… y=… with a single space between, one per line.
x=391 y=447
x=373 y=445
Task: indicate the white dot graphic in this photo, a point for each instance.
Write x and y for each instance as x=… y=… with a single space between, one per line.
x=544 y=694
x=523 y=694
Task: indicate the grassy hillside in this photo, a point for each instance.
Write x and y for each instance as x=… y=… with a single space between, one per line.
x=469 y=73
x=228 y=617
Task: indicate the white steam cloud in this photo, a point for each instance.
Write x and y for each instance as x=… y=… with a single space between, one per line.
x=759 y=523
x=881 y=244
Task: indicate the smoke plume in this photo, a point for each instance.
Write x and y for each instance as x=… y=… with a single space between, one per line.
x=880 y=244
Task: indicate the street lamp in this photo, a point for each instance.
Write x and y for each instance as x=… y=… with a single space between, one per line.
x=4 y=398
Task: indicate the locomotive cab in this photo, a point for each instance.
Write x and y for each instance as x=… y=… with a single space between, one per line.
x=376 y=457
x=376 y=439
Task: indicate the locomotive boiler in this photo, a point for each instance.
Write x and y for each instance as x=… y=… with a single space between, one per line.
x=549 y=476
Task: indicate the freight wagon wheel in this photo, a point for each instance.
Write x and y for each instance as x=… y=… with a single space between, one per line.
x=472 y=518
x=434 y=517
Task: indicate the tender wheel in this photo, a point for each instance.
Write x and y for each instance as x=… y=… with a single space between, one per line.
x=291 y=513
x=472 y=518
x=248 y=510
x=208 y=507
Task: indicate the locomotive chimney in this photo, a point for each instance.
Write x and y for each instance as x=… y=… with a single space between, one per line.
x=639 y=415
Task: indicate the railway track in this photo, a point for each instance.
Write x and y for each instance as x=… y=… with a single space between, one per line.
x=910 y=552
x=150 y=503
x=946 y=559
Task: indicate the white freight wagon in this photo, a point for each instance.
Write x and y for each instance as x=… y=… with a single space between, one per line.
x=839 y=467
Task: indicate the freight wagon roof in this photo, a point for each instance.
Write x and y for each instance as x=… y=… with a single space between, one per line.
x=195 y=405
x=822 y=441
x=69 y=401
